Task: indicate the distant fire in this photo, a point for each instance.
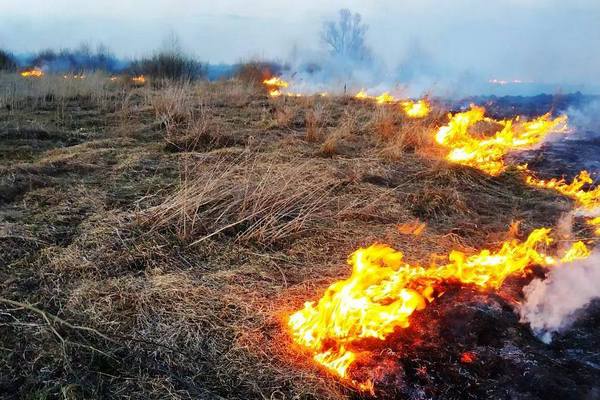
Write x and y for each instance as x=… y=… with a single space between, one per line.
x=139 y=80
x=32 y=73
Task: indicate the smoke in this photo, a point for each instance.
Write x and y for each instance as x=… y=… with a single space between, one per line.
x=585 y=118
x=554 y=303
x=441 y=47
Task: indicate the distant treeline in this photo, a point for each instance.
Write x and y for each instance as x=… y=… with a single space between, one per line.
x=174 y=65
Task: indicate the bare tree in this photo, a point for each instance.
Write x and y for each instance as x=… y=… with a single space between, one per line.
x=346 y=37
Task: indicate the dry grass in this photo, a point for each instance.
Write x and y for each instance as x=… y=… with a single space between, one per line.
x=252 y=200
x=189 y=261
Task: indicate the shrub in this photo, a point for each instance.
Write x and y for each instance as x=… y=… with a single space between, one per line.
x=257 y=71
x=7 y=61
x=168 y=65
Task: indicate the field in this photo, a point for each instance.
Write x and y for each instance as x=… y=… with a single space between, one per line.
x=154 y=238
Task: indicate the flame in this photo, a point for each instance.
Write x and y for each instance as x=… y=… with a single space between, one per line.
x=586 y=199
x=274 y=86
x=139 y=80
x=383 y=291
x=362 y=95
x=32 y=73
x=383 y=98
x=487 y=153
x=416 y=109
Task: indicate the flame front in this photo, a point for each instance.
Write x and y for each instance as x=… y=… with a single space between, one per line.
x=487 y=153
x=586 y=199
x=383 y=291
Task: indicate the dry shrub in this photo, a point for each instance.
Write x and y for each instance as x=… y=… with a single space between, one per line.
x=384 y=123
x=228 y=93
x=285 y=114
x=254 y=72
x=188 y=123
x=348 y=126
x=314 y=120
x=173 y=106
x=251 y=200
x=412 y=136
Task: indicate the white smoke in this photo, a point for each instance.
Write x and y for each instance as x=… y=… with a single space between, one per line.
x=585 y=119
x=551 y=305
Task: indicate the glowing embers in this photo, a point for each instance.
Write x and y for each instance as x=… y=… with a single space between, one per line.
x=32 y=73
x=383 y=291
x=487 y=152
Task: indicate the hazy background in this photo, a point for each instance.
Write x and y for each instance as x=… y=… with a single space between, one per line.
x=544 y=41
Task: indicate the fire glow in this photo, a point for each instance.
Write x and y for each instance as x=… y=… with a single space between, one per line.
x=32 y=73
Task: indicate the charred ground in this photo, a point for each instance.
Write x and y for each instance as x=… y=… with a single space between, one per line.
x=153 y=239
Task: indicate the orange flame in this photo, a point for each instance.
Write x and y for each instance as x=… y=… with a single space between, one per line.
x=586 y=199
x=274 y=86
x=487 y=153
x=139 y=80
x=416 y=109
x=32 y=73
x=383 y=291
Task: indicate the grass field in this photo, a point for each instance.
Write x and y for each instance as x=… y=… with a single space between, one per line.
x=154 y=238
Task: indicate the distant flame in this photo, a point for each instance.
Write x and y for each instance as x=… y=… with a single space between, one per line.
x=139 y=80
x=32 y=73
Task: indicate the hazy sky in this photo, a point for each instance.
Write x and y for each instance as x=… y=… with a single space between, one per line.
x=541 y=40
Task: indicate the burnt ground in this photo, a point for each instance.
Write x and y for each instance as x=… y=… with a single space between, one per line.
x=104 y=294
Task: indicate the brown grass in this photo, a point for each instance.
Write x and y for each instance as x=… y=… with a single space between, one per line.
x=249 y=199
x=173 y=272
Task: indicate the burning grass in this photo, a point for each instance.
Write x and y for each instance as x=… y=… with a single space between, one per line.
x=157 y=244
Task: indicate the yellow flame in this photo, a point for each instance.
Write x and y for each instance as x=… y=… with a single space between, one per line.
x=586 y=199
x=383 y=291
x=385 y=98
x=416 y=109
x=487 y=152
x=274 y=86
x=32 y=73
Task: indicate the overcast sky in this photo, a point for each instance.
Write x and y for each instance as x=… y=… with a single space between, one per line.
x=541 y=40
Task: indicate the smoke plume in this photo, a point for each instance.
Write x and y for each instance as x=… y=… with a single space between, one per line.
x=554 y=303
